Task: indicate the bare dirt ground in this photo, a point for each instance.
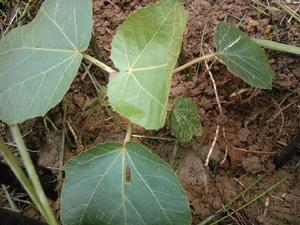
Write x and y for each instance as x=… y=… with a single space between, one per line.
x=255 y=126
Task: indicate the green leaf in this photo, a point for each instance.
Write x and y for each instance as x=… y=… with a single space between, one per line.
x=243 y=57
x=145 y=50
x=110 y=184
x=39 y=61
x=185 y=121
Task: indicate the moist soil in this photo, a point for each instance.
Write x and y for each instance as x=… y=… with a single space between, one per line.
x=257 y=140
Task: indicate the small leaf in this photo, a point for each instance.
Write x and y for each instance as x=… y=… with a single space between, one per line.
x=243 y=57
x=185 y=121
x=145 y=50
x=39 y=61
x=110 y=184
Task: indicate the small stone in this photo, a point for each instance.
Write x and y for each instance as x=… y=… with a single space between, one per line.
x=192 y=172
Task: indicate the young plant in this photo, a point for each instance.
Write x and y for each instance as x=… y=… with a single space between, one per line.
x=114 y=183
x=184 y=120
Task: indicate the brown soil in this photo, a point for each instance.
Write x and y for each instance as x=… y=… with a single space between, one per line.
x=255 y=126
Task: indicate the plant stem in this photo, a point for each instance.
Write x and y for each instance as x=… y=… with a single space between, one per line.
x=277 y=46
x=195 y=61
x=212 y=147
x=128 y=134
x=62 y=152
x=98 y=63
x=21 y=176
x=32 y=174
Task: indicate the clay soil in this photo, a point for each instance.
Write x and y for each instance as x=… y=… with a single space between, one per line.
x=255 y=127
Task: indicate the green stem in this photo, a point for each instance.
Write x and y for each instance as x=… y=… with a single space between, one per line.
x=195 y=61
x=21 y=176
x=98 y=63
x=62 y=152
x=32 y=174
x=128 y=134
x=277 y=46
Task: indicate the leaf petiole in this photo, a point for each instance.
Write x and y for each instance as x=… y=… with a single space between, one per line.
x=128 y=134
x=195 y=61
x=99 y=63
x=277 y=46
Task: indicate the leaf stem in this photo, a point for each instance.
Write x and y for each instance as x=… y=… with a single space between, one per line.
x=197 y=60
x=98 y=63
x=277 y=46
x=128 y=134
x=32 y=174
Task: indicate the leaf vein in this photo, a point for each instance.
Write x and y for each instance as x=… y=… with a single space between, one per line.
x=59 y=28
x=150 y=190
x=96 y=188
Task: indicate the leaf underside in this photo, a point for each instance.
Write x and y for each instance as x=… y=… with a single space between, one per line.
x=122 y=186
x=243 y=57
x=39 y=61
x=145 y=50
x=185 y=121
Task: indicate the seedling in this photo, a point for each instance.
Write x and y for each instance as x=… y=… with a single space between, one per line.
x=112 y=183
x=184 y=120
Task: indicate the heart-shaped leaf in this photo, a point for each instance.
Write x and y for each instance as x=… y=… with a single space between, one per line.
x=145 y=50
x=112 y=184
x=185 y=119
x=38 y=61
x=243 y=57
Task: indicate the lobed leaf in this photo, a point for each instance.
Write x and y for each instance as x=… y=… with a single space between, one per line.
x=39 y=61
x=243 y=57
x=145 y=50
x=185 y=120
x=111 y=184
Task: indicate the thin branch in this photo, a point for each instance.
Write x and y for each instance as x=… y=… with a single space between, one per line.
x=226 y=147
x=212 y=147
x=215 y=86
